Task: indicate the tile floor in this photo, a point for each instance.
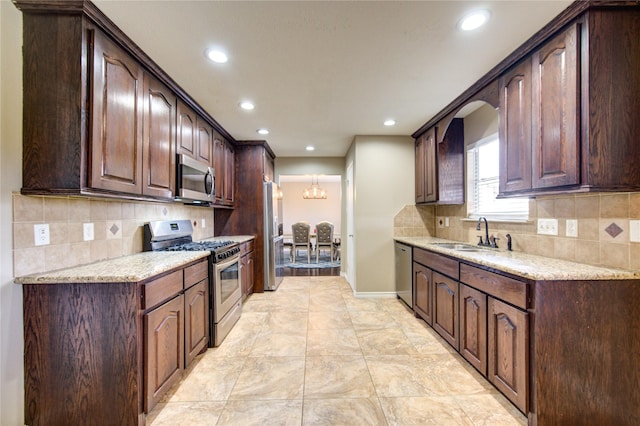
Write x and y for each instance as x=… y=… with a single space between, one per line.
x=313 y=354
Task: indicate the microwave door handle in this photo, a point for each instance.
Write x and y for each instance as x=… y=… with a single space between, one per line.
x=209 y=183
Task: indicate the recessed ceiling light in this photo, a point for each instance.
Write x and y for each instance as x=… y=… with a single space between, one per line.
x=263 y=131
x=310 y=148
x=474 y=20
x=216 y=56
x=247 y=105
x=390 y=122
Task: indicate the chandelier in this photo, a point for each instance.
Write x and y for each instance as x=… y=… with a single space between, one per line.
x=314 y=192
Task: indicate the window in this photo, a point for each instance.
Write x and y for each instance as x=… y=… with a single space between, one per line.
x=483 y=171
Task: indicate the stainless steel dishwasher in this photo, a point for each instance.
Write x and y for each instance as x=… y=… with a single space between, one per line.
x=404 y=285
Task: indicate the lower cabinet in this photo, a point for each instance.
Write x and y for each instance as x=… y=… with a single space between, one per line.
x=105 y=352
x=481 y=314
x=423 y=298
x=445 y=308
x=508 y=351
x=247 y=268
x=164 y=349
x=473 y=327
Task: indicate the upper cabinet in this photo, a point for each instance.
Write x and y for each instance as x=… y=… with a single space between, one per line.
x=567 y=102
x=224 y=164
x=440 y=165
x=565 y=109
x=100 y=117
x=540 y=119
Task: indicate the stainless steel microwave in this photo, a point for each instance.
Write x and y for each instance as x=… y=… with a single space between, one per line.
x=196 y=182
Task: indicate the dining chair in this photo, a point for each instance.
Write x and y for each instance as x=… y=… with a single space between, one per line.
x=324 y=238
x=301 y=239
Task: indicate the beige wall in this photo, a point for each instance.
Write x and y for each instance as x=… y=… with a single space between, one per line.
x=295 y=208
x=384 y=180
x=118 y=229
x=11 y=341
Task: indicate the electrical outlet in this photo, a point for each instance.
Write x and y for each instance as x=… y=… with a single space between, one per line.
x=572 y=228
x=446 y=222
x=203 y=223
x=634 y=231
x=87 y=231
x=41 y=234
x=548 y=226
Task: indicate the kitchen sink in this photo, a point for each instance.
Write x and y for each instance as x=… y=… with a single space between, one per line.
x=459 y=246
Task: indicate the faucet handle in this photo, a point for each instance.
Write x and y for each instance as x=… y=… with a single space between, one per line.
x=480 y=243
x=493 y=241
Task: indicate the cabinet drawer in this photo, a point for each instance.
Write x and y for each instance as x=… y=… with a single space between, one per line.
x=196 y=273
x=498 y=286
x=246 y=247
x=436 y=262
x=162 y=289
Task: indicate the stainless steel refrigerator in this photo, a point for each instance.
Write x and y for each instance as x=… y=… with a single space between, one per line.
x=273 y=239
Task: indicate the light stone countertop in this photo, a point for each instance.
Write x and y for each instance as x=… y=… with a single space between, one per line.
x=529 y=266
x=132 y=268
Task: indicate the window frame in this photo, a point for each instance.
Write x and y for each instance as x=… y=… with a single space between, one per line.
x=519 y=214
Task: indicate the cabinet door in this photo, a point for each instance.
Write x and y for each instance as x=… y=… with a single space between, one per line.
x=420 y=169
x=164 y=350
x=229 y=174
x=508 y=357
x=186 y=131
x=196 y=313
x=205 y=142
x=556 y=114
x=430 y=171
x=423 y=298
x=515 y=128
x=159 y=139
x=445 y=308
x=116 y=108
x=473 y=327
x=219 y=168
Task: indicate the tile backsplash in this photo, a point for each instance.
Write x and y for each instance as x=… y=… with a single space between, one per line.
x=603 y=222
x=117 y=229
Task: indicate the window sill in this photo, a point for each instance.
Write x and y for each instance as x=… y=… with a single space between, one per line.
x=497 y=219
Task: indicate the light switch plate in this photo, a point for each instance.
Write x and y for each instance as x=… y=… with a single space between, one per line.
x=87 y=231
x=634 y=231
x=41 y=234
x=572 y=228
x=548 y=226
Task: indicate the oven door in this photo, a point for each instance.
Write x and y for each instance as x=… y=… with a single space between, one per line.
x=227 y=288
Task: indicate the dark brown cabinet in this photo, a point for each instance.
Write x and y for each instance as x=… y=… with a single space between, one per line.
x=159 y=139
x=440 y=165
x=555 y=112
x=445 y=308
x=564 y=125
x=109 y=350
x=164 y=349
x=423 y=288
x=116 y=111
x=473 y=327
x=224 y=163
x=246 y=268
x=515 y=128
x=100 y=117
x=196 y=311
x=509 y=351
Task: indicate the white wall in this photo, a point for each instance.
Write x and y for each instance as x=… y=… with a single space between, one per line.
x=11 y=339
x=384 y=179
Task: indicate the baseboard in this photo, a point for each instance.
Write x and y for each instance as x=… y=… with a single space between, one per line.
x=375 y=294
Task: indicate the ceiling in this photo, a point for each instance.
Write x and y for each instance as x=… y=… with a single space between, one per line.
x=322 y=72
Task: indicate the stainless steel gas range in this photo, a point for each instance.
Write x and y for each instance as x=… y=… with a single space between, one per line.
x=225 y=288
